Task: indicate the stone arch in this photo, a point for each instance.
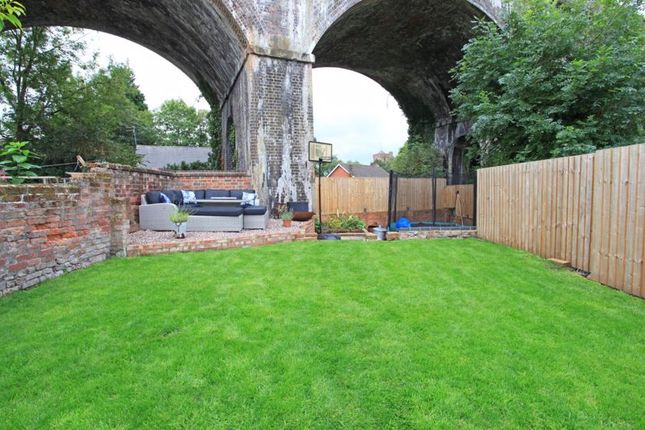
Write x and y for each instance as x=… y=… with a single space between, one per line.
x=409 y=49
x=200 y=37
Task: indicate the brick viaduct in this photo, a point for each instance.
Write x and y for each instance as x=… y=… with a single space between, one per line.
x=254 y=58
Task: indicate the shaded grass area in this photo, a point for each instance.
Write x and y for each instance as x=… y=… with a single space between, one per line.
x=427 y=334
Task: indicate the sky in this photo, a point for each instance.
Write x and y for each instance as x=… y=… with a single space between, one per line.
x=351 y=111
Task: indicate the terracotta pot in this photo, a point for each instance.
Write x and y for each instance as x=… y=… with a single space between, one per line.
x=303 y=216
x=286 y=223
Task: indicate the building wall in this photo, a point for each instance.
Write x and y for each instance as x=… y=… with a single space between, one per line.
x=340 y=173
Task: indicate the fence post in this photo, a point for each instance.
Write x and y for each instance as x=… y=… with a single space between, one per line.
x=434 y=197
x=389 y=200
x=475 y=200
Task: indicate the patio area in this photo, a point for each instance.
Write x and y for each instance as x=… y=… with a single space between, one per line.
x=154 y=242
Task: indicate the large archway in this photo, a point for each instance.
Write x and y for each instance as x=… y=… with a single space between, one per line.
x=254 y=58
x=409 y=49
x=200 y=37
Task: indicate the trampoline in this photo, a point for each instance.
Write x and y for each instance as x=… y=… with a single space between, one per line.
x=438 y=202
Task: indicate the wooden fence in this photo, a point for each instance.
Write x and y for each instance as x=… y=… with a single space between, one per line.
x=588 y=210
x=370 y=196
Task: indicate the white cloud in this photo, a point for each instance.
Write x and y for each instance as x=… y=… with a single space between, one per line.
x=350 y=110
x=356 y=114
x=158 y=79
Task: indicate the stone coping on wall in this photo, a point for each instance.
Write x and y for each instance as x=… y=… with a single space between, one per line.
x=169 y=173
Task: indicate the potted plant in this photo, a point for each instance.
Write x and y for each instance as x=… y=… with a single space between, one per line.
x=180 y=219
x=286 y=217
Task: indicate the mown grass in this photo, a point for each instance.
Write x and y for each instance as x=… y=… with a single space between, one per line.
x=428 y=334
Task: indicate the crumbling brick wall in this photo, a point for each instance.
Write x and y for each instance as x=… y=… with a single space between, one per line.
x=48 y=230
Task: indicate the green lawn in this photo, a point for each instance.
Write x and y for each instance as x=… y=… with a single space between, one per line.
x=419 y=334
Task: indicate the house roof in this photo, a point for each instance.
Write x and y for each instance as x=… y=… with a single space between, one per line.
x=362 y=171
x=158 y=157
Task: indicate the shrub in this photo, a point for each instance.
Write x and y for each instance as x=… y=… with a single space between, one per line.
x=344 y=223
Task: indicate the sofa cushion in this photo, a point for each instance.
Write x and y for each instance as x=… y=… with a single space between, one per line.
x=217 y=211
x=189 y=197
x=200 y=194
x=175 y=196
x=165 y=199
x=238 y=194
x=213 y=194
x=153 y=197
x=255 y=210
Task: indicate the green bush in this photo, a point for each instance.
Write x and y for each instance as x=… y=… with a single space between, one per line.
x=15 y=160
x=344 y=223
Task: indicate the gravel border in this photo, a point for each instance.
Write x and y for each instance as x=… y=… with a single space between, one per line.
x=147 y=237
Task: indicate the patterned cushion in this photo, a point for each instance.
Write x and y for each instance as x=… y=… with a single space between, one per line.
x=188 y=197
x=238 y=194
x=249 y=199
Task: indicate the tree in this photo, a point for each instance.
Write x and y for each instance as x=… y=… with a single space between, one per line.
x=11 y=11
x=100 y=121
x=64 y=106
x=35 y=77
x=561 y=78
x=417 y=158
x=181 y=125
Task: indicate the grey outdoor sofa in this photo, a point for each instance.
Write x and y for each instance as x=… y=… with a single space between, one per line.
x=216 y=211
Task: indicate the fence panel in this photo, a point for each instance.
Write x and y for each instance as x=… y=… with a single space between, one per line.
x=617 y=251
x=370 y=195
x=353 y=195
x=460 y=198
x=588 y=210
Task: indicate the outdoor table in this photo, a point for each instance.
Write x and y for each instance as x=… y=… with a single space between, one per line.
x=228 y=201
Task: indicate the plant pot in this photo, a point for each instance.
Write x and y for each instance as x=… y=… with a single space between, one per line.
x=180 y=230
x=286 y=223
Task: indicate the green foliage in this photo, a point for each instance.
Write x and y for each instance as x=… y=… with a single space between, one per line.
x=387 y=165
x=436 y=334
x=15 y=160
x=178 y=124
x=328 y=167
x=64 y=106
x=561 y=78
x=417 y=158
x=195 y=165
x=286 y=215
x=343 y=223
x=180 y=217
x=100 y=120
x=215 y=136
x=11 y=11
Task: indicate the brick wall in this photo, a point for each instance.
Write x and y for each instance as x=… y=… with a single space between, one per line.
x=129 y=183
x=47 y=230
x=305 y=232
x=213 y=180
